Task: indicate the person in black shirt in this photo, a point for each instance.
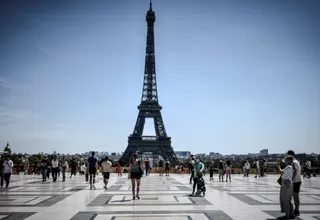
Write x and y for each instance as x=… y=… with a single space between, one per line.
x=44 y=166
x=147 y=166
x=93 y=165
x=191 y=169
x=49 y=168
x=167 y=167
x=161 y=167
x=73 y=167
x=211 y=172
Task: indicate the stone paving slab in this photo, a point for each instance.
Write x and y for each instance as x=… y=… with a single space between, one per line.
x=262 y=199
x=18 y=200
x=149 y=200
x=304 y=215
x=154 y=215
x=15 y=216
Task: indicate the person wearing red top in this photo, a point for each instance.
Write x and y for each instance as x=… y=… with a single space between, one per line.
x=119 y=170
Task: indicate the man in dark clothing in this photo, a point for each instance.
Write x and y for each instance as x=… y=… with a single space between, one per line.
x=191 y=169
x=73 y=166
x=48 y=169
x=44 y=166
x=161 y=167
x=147 y=166
x=93 y=165
x=1 y=170
x=167 y=167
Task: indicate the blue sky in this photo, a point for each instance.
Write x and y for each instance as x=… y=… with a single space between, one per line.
x=233 y=76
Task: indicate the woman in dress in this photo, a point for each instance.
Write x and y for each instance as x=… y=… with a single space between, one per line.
x=135 y=175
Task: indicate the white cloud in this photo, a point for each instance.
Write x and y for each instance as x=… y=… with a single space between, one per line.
x=15 y=116
x=53 y=53
x=5 y=83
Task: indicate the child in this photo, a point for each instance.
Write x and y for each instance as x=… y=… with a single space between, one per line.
x=211 y=172
x=228 y=171
x=201 y=188
x=286 y=188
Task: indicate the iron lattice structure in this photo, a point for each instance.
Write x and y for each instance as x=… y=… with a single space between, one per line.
x=149 y=108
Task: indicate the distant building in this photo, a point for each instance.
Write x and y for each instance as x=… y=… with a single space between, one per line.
x=213 y=155
x=202 y=155
x=305 y=157
x=232 y=157
x=264 y=152
x=183 y=154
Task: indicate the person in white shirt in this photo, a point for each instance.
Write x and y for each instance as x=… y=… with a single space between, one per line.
x=7 y=170
x=228 y=170
x=106 y=167
x=247 y=167
x=64 y=168
x=82 y=169
x=308 y=169
x=296 y=182
x=26 y=166
x=265 y=168
x=286 y=189
x=55 y=167
x=257 y=163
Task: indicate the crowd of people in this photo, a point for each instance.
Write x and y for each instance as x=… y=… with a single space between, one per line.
x=52 y=166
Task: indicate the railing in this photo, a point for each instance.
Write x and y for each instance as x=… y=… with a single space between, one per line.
x=149 y=138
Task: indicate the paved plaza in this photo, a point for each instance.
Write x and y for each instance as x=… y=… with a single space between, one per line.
x=162 y=198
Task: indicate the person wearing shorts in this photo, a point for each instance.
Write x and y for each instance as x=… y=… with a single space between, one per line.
x=93 y=164
x=106 y=167
x=135 y=175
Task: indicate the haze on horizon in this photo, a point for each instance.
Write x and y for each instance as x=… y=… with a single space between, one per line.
x=233 y=76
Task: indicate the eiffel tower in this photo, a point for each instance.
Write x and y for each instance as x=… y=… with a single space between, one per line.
x=150 y=108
